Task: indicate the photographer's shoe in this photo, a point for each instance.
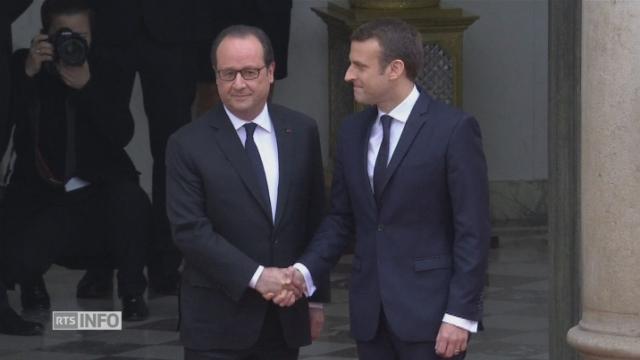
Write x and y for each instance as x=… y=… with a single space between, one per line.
x=95 y=284
x=134 y=308
x=12 y=324
x=34 y=296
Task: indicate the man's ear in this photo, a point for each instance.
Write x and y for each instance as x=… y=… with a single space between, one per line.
x=271 y=70
x=396 y=69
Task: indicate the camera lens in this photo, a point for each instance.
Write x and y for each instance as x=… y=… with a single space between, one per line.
x=71 y=48
x=72 y=52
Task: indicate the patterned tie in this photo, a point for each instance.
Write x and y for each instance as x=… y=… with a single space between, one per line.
x=380 y=168
x=254 y=156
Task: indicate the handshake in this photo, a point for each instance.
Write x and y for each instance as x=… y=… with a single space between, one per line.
x=283 y=286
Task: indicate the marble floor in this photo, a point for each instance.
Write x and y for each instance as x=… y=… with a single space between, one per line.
x=515 y=315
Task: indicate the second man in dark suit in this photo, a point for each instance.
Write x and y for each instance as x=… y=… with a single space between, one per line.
x=410 y=184
x=244 y=196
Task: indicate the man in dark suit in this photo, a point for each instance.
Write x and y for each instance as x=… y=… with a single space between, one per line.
x=410 y=184
x=244 y=196
x=10 y=322
x=155 y=39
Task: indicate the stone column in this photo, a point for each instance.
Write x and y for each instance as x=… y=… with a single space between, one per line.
x=610 y=177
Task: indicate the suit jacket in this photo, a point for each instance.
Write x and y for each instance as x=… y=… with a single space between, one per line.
x=423 y=252
x=225 y=231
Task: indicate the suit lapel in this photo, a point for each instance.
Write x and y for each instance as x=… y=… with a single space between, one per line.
x=230 y=144
x=415 y=122
x=284 y=138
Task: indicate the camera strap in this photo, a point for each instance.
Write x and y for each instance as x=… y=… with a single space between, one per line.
x=9 y=157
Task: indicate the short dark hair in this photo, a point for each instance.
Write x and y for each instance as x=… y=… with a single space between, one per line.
x=53 y=8
x=398 y=40
x=243 y=31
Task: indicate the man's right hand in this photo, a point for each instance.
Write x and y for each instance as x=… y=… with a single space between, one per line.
x=296 y=289
x=41 y=50
x=282 y=286
x=276 y=282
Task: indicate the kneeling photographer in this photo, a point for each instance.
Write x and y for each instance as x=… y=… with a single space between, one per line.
x=74 y=197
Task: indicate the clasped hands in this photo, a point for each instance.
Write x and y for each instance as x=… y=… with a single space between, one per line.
x=283 y=286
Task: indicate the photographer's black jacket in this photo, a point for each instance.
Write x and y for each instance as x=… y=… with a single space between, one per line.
x=103 y=126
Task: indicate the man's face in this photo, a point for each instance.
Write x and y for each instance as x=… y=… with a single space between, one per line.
x=78 y=23
x=244 y=98
x=369 y=79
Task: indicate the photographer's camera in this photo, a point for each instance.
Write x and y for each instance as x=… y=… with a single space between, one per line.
x=70 y=48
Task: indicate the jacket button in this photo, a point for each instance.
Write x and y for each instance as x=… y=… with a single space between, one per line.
x=380 y=227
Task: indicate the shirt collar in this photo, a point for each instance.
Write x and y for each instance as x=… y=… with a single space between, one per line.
x=403 y=110
x=262 y=120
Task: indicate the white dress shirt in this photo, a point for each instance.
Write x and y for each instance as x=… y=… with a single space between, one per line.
x=400 y=115
x=265 y=138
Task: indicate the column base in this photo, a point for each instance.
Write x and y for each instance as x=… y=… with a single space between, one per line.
x=598 y=346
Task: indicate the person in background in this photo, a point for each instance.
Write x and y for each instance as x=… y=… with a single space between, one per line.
x=154 y=39
x=74 y=197
x=10 y=322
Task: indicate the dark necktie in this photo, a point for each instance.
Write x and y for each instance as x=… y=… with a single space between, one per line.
x=254 y=156
x=380 y=168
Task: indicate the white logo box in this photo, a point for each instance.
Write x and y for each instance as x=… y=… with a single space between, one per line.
x=86 y=320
